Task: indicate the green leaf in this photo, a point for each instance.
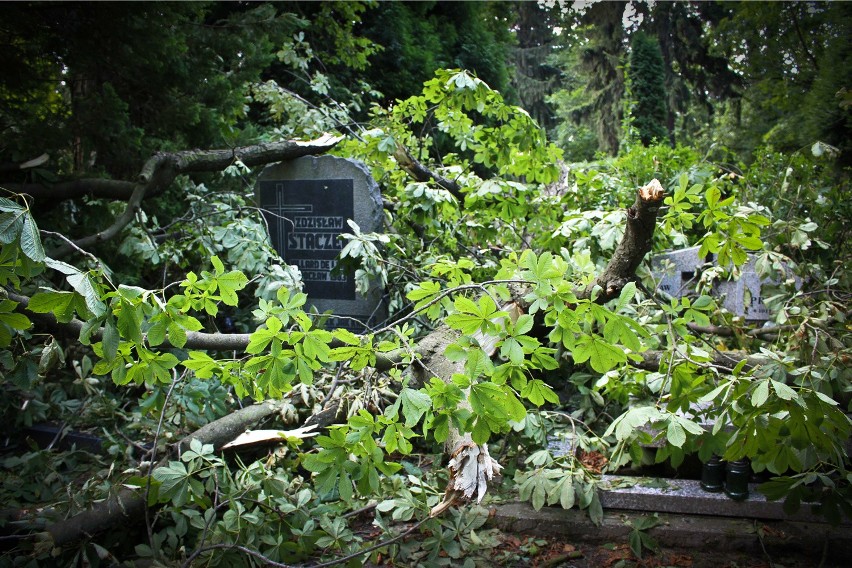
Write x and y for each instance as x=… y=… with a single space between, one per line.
x=635 y=543
x=618 y=330
x=537 y=391
x=426 y=291
x=174 y=482
x=10 y=321
x=203 y=365
x=455 y=352
x=538 y=494
x=30 y=240
x=466 y=323
x=523 y=325
x=776 y=488
x=415 y=403
x=782 y=390
x=345 y=487
x=751 y=243
x=110 y=339
x=61 y=304
x=161 y=366
x=675 y=433
x=625 y=425
x=315 y=345
x=85 y=285
x=512 y=351
x=596 y=509
x=229 y=285
x=712 y=395
x=566 y=492
x=156 y=334
x=177 y=335
x=261 y=338
x=11 y=224
x=626 y=296
x=129 y=322
x=760 y=393
x=826 y=399
x=471 y=317
x=712 y=195
x=601 y=355
x=487 y=398
x=689 y=425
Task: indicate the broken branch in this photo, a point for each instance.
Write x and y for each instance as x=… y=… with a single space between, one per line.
x=423 y=174
x=161 y=170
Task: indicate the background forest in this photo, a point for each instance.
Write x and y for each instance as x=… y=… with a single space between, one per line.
x=146 y=318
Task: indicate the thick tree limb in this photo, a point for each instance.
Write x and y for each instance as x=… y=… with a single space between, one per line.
x=160 y=171
x=180 y=162
x=636 y=243
x=128 y=505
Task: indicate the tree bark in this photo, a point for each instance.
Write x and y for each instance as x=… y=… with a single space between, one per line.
x=421 y=173
x=636 y=243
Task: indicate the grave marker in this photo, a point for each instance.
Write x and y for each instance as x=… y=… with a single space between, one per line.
x=741 y=296
x=306 y=203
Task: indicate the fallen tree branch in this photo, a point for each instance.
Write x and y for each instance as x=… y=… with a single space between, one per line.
x=182 y=162
x=194 y=339
x=128 y=505
x=161 y=170
x=651 y=360
x=724 y=331
x=471 y=467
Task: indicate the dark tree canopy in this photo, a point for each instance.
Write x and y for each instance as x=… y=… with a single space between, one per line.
x=419 y=37
x=158 y=76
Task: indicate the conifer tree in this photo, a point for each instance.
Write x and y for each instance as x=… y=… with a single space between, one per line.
x=647 y=77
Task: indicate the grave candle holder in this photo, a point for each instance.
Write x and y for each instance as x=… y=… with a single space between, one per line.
x=736 y=479
x=713 y=475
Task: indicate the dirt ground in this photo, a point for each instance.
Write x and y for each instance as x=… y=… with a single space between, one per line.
x=551 y=553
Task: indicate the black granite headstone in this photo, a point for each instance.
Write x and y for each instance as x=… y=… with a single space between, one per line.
x=306 y=203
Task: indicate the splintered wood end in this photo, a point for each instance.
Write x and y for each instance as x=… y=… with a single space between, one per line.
x=471 y=468
x=653 y=191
